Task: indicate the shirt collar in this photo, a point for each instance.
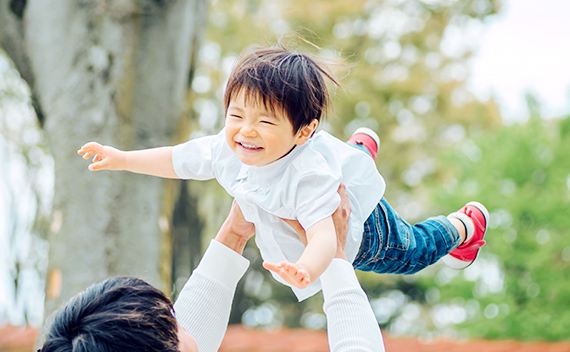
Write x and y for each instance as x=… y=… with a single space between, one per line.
x=264 y=174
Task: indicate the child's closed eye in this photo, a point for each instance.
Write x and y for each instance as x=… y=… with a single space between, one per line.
x=268 y=122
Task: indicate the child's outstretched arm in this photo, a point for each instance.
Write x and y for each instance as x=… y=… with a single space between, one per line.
x=340 y=219
x=155 y=162
x=320 y=250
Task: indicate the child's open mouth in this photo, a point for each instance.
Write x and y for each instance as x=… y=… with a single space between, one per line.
x=249 y=146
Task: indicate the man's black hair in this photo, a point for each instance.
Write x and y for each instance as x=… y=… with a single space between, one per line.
x=119 y=314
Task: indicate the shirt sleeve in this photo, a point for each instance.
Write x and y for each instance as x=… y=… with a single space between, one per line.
x=316 y=197
x=204 y=304
x=193 y=160
x=351 y=323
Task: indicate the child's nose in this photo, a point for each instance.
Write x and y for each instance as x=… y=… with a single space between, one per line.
x=248 y=130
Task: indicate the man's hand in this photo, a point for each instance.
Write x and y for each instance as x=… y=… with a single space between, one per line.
x=340 y=219
x=104 y=157
x=236 y=231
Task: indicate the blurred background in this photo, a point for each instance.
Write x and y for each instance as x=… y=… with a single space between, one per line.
x=471 y=100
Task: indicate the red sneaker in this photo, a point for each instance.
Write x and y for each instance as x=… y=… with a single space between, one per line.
x=475 y=217
x=368 y=138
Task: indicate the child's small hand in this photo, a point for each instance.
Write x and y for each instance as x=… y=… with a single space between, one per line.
x=104 y=157
x=295 y=274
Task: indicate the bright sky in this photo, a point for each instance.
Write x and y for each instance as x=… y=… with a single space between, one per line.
x=526 y=49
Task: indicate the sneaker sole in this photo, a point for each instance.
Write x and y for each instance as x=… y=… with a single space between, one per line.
x=372 y=134
x=458 y=264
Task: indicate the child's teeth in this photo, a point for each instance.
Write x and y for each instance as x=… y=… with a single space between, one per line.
x=249 y=146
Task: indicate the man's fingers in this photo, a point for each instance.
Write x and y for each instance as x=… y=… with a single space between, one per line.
x=235 y=205
x=298 y=229
x=341 y=189
x=295 y=225
x=343 y=197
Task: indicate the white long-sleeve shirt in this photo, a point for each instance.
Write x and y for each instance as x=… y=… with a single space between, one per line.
x=203 y=307
x=300 y=186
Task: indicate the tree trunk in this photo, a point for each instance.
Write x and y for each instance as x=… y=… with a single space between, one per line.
x=186 y=238
x=115 y=72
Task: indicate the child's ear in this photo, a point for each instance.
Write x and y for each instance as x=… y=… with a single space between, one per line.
x=306 y=132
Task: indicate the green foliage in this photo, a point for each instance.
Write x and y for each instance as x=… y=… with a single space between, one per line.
x=521 y=173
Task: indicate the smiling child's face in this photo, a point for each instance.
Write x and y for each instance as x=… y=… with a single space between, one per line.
x=259 y=136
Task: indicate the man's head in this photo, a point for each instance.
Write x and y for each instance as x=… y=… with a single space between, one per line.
x=287 y=87
x=118 y=314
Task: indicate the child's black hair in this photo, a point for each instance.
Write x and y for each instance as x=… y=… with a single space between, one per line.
x=284 y=80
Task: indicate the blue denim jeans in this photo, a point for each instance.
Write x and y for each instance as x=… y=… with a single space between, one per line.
x=391 y=245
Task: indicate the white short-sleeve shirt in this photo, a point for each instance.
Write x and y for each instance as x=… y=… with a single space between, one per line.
x=302 y=186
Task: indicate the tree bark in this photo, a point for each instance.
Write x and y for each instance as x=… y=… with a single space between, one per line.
x=187 y=242
x=115 y=72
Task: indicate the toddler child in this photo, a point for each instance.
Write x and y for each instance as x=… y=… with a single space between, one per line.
x=269 y=158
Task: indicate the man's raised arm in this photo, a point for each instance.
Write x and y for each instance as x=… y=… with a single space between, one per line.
x=351 y=323
x=203 y=307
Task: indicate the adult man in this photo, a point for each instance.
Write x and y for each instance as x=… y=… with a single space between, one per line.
x=126 y=314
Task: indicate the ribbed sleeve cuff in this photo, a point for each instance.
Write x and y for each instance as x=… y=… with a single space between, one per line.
x=339 y=276
x=222 y=264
